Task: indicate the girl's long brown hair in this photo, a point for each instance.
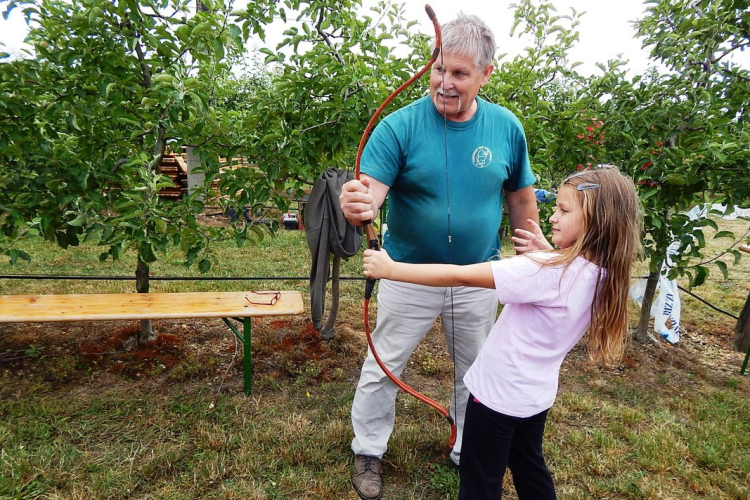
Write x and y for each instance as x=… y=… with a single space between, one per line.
x=611 y=240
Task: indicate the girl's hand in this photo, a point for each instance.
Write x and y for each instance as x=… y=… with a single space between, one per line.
x=530 y=241
x=377 y=264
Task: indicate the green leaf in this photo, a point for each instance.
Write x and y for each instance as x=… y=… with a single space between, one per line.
x=701 y=238
x=676 y=180
x=160 y=224
x=201 y=28
x=148 y=102
x=723 y=268
x=16 y=254
x=78 y=221
x=162 y=78
x=204 y=265
x=146 y=252
x=270 y=137
x=712 y=223
x=218 y=48
x=724 y=234
x=73 y=122
x=192 y=253
x=128 y=121
x=701 y=273
x=116 y=251
x=259 y=234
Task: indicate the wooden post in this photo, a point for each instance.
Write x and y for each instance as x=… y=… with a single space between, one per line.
x=194 y=180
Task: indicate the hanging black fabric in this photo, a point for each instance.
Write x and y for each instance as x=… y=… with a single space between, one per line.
x=328 y=232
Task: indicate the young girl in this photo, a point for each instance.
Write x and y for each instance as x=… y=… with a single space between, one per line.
x=552 y=298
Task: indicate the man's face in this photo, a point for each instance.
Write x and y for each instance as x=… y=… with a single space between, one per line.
x=454 y=83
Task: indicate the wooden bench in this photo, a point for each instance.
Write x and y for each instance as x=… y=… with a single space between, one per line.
x=142 y=306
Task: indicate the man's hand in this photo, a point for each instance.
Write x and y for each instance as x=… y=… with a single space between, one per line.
x=377 y=264
x=529 y=241
x=521 y=208
x=357 y=201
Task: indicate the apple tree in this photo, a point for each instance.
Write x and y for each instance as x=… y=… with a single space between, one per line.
x=86 y=116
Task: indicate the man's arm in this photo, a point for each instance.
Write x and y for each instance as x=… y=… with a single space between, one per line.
x=361 y=199
x=521 y=207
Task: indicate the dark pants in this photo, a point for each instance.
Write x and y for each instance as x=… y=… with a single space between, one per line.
x=493 y=441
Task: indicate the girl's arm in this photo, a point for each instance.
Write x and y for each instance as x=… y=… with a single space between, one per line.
x=378 y=264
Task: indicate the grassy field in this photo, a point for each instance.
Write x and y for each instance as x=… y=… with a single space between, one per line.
x=82 y=418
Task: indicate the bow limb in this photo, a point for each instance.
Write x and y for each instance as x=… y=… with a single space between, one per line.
x=414 y=78
x=372 y=238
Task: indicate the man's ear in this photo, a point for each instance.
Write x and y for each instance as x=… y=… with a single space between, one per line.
x=487 y=73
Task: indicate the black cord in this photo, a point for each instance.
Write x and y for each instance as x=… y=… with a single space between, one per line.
x=708 y=304
x=700 y=299
x=167 y=278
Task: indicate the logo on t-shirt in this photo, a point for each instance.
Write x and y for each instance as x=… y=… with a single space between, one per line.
x=481 y=157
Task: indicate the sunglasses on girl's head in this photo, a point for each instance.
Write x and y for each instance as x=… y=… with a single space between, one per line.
x=587 y=185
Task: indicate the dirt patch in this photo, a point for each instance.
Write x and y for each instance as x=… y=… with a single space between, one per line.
x=68 y=356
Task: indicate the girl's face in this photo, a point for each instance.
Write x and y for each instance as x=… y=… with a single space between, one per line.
x=567 y=219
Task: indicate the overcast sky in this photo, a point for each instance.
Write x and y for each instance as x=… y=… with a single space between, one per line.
x=606 y=29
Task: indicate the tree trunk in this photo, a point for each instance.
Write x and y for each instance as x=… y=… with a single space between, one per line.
x=142 y=286
x=641 y=333
x=142 y=271
x=741 y=340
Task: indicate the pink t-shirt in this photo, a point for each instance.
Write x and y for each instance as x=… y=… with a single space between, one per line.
x=544 y=317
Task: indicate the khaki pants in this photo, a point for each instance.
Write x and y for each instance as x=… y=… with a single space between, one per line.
x=406 y=312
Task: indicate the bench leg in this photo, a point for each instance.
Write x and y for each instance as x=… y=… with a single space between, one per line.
x=248 y=356
x=744 y=364
x=247 y=363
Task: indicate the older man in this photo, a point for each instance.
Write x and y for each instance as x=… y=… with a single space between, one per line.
x=446 y=163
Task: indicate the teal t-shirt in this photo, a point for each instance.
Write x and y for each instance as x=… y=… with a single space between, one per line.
x=428 y=201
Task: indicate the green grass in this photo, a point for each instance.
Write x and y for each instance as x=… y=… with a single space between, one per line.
x=282 y=255
x=673 y=422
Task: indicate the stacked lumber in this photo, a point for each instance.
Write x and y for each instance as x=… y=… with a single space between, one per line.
x=233 y=164
x=174 y=166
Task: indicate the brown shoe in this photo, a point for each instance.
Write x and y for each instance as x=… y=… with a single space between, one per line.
x=366 y=479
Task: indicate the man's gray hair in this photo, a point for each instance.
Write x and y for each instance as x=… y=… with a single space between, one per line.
x=468 y=35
